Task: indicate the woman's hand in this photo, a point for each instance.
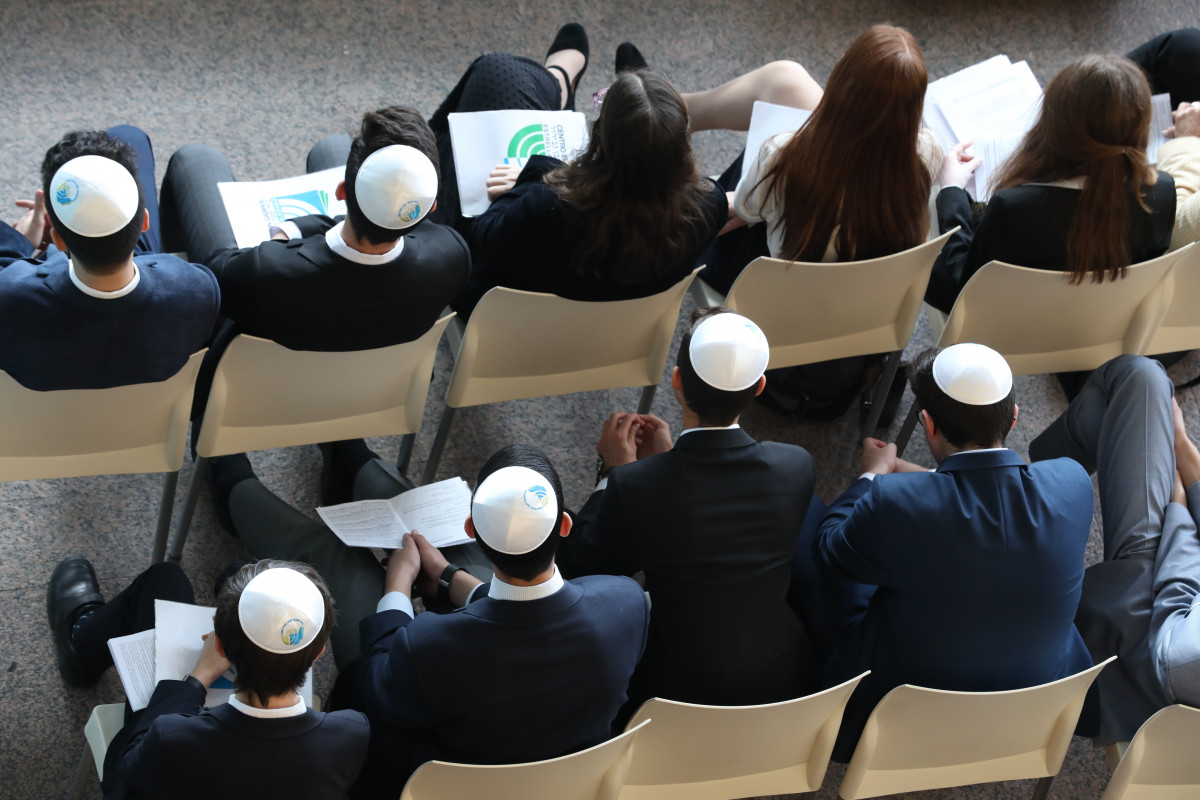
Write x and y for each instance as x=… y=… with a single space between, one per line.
x=958 y=167
x=1187 y=121
x=501 y=179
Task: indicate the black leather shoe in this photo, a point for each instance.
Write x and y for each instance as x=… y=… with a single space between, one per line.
x=333 y=490
x=629 y=58
x=225 y=472
x=73 y=590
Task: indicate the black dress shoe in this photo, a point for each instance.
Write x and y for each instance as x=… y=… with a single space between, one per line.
x=629 y=58
x=571 y=36
x=73 y=591
x=225 y=472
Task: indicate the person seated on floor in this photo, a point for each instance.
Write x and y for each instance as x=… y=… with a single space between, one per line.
x=271 y=623
x=99 y=306
x=971 y=572
x=1139 y=604
x=626 y=218
x=713 y=521
x=378 y=277
x=528 y=667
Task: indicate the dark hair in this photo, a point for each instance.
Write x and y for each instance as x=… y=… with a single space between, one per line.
x=634 y=197
x=963 y=425
x=525 y=566
x=1094 y=124
x=99 y=255
x=859 y=145
x=260 y=672
x=380 y=129
x=714 y=407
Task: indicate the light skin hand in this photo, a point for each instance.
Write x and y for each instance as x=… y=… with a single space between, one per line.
x=501 y=179
x=1187 y=457
x=34 y=224
x=958 y=167
x=403 y=567
x=433 y=563
x=734 y=221
x=1187 y=121
x=654 y=436
x=618 y=438
x=212 y=662
x=908 y=466
x=877 y=456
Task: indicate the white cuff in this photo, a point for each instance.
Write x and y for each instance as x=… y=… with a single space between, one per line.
x=396 y=601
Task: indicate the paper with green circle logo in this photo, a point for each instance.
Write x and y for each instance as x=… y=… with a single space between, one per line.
x=483 y=139
x=255 y=206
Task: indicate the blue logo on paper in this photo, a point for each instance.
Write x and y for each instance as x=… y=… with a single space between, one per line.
x=536 y=497
x=292 y=632
x=410 y=211
x=67 y=192
x=301 y=205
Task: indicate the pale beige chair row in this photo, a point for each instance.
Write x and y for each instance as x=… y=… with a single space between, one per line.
x=1042 y=323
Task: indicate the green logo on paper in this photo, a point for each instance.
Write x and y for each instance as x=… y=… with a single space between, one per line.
x=529 y=141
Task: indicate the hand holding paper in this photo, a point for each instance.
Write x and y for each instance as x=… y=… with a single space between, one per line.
x=212 y=662
x=958 y=166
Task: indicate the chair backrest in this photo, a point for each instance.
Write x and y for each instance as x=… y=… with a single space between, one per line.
x=100 y=729
x=713 y=752
x=919 y=739
x=526 y=344
x=265 y=396
x=1042 y=323
x=1160 y=763
x=592 y=774
x=1180 y=328
x=62 y=434
x=817 y=311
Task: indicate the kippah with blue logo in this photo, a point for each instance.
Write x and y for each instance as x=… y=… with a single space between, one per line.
x=281 y=610
x=514 y=510
x=93 y=196
x=396 y=186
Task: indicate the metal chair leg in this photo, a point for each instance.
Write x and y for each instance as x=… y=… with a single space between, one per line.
x=647 y=399
x=910 y=422
x=81 y=772
x=882 y=387
x=439 y=444
x=406 y=450
x=189 y=506
x=166 y=506
x=1042 y=790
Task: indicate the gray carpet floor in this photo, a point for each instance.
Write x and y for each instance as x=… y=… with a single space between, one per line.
x=264 y=80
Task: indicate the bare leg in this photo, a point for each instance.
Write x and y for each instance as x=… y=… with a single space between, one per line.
x=728 y=106
x=570 y=60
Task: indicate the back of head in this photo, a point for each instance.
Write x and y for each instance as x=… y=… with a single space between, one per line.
x=98 y=254
x=854 y=166
x=719 y=371
x=968 y=394
x=273 y=628
x=543 y=511
x=634 y=192
x=1094 y=123
x=394 y=125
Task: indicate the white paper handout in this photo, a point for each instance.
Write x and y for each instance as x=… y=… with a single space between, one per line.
x=1002 y=105
x=1160 y=120
x=133 y=656
x=943 y=89
x=767 y=120
x=992 y=154
x=437 y=511
x=483 y=139
x=254 y=206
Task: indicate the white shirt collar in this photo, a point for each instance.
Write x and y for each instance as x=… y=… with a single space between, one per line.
x=333 y=238
x=269 y=713
x=90 y=292
x=499 y=590
x=713 y=428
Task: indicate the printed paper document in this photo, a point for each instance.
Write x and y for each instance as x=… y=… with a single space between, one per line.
x=254 y=206
x=436 y=511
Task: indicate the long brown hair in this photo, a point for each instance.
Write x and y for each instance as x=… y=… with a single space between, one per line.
x=854 y=166
x=1094 y=123
x=634 y=195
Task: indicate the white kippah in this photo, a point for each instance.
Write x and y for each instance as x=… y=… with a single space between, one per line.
x=396 y=186
x=514 y=510
x=93 y=196
x=973 y=374
x=281 y=610
x=729 y=352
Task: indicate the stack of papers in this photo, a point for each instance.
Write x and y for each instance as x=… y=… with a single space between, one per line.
x=767 y=120
x=436 y=511
x=169 y=652
x=254 y=206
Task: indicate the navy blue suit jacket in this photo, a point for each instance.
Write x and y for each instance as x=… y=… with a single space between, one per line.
x=979 y=568
x=500 y=681
x=173 y=748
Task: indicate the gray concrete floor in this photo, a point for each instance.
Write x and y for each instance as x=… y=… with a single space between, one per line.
x=262 y=81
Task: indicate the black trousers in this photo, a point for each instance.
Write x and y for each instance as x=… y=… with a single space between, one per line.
x=1172 y=64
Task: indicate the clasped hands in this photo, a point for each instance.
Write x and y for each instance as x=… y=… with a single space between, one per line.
x=626 y=436
x=418 y=562
x=880 y=458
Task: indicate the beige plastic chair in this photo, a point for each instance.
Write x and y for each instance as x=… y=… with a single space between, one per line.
x=918 y=739
x=99 y=731
x=592 y=774
x=695 y=752
x=126 y=429
x=1180 y=327
x=265 y=396
x=519 y=345
x=814 y=312
x=1042 y=323
x=1160 y=763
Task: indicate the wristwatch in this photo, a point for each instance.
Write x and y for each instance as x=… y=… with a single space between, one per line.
x=443 y=590
x=601 y=469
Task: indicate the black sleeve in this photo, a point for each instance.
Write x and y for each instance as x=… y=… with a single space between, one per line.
x=536 y=168
x=131 y=754
x=314 y=224
x=601 y=541
x=13 y=245
x=966 y=251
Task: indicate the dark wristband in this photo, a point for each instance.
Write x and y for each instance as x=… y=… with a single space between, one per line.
x=443 y=590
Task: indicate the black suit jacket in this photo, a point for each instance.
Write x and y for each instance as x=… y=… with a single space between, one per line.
x=174 y=749
x=713 y=523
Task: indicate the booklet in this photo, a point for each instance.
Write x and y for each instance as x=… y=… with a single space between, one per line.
x=482 y=139
x=436 y=511
x=169 y=652
x=767 y=120
x=254 y=206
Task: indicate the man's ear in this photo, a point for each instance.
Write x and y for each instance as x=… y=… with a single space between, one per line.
x=676 y=379
x=340 y=191
x=58 y=240
x=146 y=221
x=218 y=646
x=469 y=527
x=1016 y=411
x=565 y=530
x=762 y=384
x=927 y=424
